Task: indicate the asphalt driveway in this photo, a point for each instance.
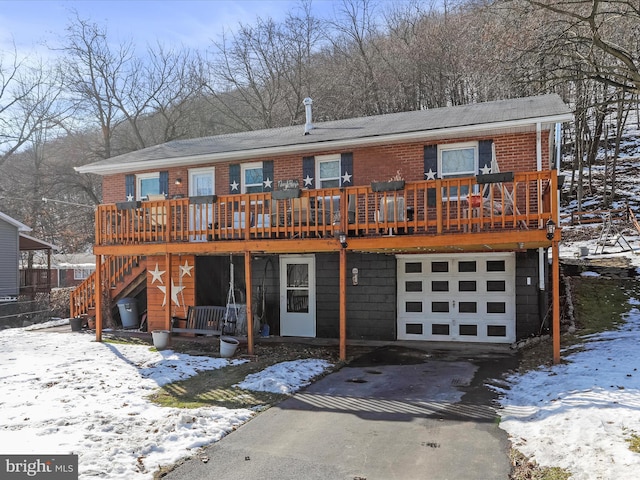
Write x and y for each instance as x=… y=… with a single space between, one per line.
x=393 y=414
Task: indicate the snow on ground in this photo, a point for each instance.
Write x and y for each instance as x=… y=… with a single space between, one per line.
x=285 y=377
x=65 y=393
x=578 y=415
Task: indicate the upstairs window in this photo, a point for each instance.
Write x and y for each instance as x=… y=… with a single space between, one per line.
x=328 y=171
x=147 y=184
x=252 y=181
x=458 y=160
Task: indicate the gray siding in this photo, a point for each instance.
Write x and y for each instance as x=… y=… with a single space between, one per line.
x=9 y=259
x=371 y=305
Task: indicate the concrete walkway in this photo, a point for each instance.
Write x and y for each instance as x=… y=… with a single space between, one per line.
x=394 y=414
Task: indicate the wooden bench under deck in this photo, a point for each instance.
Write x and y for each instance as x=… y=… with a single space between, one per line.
x=206 y=320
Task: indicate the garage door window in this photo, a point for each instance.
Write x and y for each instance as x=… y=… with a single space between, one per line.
x=495 y=266
x=466 y=267
x=439 y=267
x=440 y=286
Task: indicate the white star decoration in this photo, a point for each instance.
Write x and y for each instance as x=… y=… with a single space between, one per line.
x=308 y=181
x=234 y=185
x=486 y=169
x=174 y=293
x=431 y=175
x=346 y=178
x=267 y=183
x=185 y=269
x=129 y=198
x=156 y=274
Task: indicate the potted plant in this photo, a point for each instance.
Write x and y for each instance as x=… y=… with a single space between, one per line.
x=394 y=183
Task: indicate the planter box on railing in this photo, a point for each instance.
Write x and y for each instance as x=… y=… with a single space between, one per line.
x=127 y=205
x=503 y=177
x=285 y=194
x=388 y=186
x=203 y=199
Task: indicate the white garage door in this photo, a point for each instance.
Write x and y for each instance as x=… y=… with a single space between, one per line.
x=463 y=298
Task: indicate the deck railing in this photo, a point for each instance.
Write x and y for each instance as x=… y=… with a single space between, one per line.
x=113 y=271
x=498 y=202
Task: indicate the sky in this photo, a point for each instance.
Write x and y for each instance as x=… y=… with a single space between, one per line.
x=192 y=23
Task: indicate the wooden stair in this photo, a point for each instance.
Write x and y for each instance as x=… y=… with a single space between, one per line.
x=124 y=275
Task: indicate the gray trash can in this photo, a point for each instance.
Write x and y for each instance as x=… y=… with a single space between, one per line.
x=128 y=308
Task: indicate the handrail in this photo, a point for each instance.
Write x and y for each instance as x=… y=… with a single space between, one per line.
x=430 y=207
x=114 y=271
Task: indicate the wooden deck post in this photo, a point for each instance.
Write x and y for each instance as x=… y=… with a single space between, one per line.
x=98 y=297
x=249 y=288
x=343 y=304
x=168 y=306
x=555 y=252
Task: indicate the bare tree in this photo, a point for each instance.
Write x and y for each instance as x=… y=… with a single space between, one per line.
x=92 y=72
x=600 y=35
x=26 y=102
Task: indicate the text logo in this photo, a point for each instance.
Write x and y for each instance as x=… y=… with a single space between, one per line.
x=39 y=467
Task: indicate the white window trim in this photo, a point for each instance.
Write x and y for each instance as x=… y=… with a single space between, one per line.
x=82 y=273
x=327 y=158
x=199 y=171
x=243 y=168
x=144 y=176
x=458 y=146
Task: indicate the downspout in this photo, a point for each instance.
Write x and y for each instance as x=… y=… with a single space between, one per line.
x=541 y=251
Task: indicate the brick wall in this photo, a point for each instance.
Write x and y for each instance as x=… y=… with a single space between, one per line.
x=514 y=152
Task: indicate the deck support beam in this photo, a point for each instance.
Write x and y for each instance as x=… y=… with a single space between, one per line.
x=249 y=288
x=343 y=304
x=168 y=305
x=555 y=267
x=98 y=298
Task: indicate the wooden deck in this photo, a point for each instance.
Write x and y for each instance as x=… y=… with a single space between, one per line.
x=512 y=207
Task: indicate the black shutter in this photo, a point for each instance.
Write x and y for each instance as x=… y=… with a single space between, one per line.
x=346 y=170
x=267 y=176
x=308 y=172
x=485 y=156
x=164 y=183
x=130 y=187
x=234 y=178
x=431 y=171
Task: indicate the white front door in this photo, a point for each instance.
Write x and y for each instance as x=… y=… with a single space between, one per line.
x=463 y=298
x=297 y=296
x=201 y=182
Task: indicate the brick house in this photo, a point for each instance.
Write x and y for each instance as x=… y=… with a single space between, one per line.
x=325 y=244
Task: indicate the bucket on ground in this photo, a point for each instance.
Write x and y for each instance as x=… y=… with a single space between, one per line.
x=228 y=346
x=161 y=339
x=128 y=308
x=76 y=324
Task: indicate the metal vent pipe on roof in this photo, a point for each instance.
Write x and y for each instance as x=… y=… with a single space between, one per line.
x=308 y=126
